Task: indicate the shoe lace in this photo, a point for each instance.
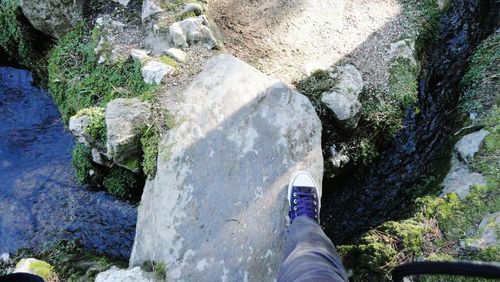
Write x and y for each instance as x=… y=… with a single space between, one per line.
x=305 y=205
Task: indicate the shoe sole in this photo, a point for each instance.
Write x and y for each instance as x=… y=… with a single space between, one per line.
x=292 y=179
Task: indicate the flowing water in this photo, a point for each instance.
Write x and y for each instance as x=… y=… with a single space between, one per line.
x=385 y=190
x=40 y=200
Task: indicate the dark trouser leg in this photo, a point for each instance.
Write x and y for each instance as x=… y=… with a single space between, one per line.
x=309 y=255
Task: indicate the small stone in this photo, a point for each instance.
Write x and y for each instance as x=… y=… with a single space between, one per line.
x=460 y=179
x=115 y=274
x=338 y=159
x=153 y=72
x=344 y=106
x=77 y=125
x=149 y=9
x=139 y=55
x=403 y=49
x=177 y=54
x=124 y=3
x=487 y=233
x=192 y=31
x=343 y=101
x=468 y=146
x=196 y=8
x=37 y=267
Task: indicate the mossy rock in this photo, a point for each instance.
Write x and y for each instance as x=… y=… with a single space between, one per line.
x=37 y=267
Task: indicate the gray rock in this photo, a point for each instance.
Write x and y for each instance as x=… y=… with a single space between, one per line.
x=77 y=125
x=196 y=8
x=487 y=234
x=343 y=101
x=469 y=145
x=460 y=179
x=344 y=106
x=153 y=72
x=115 y=274
x=338 y=158
x=176 y=54
x=53 y=17
x=124 y=118
x=403 y=49
x=149 y=9
x=124 y=3
x=239 y=134
x=192 y=31
x=139 y=55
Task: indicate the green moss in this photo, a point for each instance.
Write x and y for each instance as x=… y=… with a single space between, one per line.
x=186 y=15
x=150 y=140
x=86 y=170
x=13 y=39
x=168 y=61
x=387 y=111
x=77 y=81
x=97 y=127
x=121 y=182
x=69 y=260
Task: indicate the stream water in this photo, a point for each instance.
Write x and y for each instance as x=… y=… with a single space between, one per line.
x=385 y=190
x=40 y=200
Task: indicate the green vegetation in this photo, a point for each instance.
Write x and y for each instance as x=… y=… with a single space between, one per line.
x=315 y=85
x=439 y=224
x=97 y=127
x=86 y=170
x=12 y=37
x=121 y=182
x=70 y=261
x=77 y=81
x=150 y=140
x=40 y=268
x=158 y=268
x=168 y=61
x=386 y=112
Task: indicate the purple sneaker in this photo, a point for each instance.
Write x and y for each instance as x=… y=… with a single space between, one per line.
x=303 y=196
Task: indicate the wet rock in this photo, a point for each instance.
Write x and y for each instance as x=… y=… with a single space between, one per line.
x=343 y=101
x=239 y=134
x=53 y=17
x=176 y=54
x=124 y=118
x=469 y=145
x=115 y=274
x=37 y=267
x=153 y=72
x=192 y=31
x=403 y=49
x=139 y=55
x=487 y=234
x=149 y=9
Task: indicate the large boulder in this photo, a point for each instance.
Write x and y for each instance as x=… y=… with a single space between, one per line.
x=217 y=207
x=343 y=101
x=53 y=17
x=124 y=120
x=115 y=274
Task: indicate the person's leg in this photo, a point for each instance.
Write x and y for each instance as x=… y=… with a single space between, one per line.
x=309 y=255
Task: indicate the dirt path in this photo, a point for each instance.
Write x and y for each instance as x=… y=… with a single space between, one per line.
x=289 y=38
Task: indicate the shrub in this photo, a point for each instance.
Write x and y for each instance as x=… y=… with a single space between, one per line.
x=77 y=81
x=121 y=182
x=97 y=127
